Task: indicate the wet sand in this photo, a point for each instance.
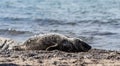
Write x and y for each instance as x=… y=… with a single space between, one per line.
x=94 y=57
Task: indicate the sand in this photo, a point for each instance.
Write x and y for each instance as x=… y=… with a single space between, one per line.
x=94 y=57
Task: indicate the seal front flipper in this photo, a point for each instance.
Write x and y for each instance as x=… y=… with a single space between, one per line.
x=53 y=47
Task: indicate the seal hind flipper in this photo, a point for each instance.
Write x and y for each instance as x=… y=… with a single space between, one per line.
x=6 y=46
x=3 y=44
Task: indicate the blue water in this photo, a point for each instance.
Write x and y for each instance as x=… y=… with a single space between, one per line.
x=95 y=21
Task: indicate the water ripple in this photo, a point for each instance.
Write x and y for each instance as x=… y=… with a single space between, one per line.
x=13 y=32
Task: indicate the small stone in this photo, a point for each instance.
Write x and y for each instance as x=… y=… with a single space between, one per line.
x=40 y=61
x=14 y=56
x=55 y=62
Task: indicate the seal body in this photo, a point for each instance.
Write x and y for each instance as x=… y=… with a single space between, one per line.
x=42 y=41
x=52 y=41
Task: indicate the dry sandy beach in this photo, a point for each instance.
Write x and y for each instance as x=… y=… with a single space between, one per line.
x=94 y=57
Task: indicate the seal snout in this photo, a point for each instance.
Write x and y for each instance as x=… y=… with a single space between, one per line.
x=86 y=47
x=82 y=46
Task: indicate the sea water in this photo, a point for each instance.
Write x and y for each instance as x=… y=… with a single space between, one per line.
x=95 y=21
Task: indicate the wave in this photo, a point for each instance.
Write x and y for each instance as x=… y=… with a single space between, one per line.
x=14 y=19
x=105 y=33
x=53 y=22
x=13 y=32
x=46 y=21
x=100 y=33
x=101 y=22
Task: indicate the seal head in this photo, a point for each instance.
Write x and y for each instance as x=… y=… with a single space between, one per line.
x=81 y=46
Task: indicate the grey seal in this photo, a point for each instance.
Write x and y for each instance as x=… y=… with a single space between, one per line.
x=54 y=41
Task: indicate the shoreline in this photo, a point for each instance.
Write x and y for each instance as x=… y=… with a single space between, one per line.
x=58 y=58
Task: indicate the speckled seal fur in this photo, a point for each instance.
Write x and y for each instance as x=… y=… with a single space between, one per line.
x=54 y=41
